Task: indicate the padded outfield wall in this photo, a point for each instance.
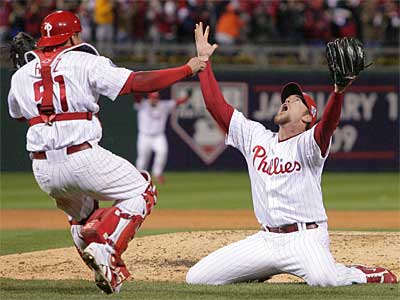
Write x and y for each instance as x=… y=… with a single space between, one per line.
x=366 y=140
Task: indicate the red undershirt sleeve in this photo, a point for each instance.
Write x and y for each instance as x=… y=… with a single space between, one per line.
x=151 y=81
x=329 y=121
x=214 y=100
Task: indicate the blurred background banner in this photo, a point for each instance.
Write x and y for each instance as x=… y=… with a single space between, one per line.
x=367 y=138
x=263 y=44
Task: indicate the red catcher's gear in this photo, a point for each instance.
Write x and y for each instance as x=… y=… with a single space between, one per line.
x=57 y=28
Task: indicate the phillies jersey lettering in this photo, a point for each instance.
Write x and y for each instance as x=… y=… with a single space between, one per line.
x=274 y=165
x=285 y=175
x=79 y=78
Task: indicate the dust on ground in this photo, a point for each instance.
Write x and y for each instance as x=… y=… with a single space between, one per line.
x=167 y=257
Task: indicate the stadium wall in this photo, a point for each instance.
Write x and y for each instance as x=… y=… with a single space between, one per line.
x=366 y=140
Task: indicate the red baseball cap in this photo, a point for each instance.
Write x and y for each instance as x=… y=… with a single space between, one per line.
x=58 y=27
x=293 y=88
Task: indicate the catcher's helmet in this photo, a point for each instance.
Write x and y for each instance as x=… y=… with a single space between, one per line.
x=58 y=27
x=293 y=88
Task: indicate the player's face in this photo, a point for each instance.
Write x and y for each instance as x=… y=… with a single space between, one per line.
x=153 y=98
x=292 y=110
x=76 y=39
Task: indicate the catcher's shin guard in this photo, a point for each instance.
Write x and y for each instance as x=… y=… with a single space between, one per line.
x=115 y=226
x=124 y=233
x=100 y=225
x=111 y=226
x=151 y=193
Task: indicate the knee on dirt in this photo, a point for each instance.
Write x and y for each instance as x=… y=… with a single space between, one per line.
x=195 y=277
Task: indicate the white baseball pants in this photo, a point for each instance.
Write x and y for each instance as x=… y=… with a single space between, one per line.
x=146 y=144
x=75 y=180
x=303 y=253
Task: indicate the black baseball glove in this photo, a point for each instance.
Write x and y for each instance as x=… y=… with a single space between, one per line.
x=346 y=59
x=21 y=44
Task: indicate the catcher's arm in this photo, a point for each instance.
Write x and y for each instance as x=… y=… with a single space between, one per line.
x=19 y=45
x=153 y=81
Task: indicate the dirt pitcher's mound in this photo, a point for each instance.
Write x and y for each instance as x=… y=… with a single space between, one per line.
x=167 y=257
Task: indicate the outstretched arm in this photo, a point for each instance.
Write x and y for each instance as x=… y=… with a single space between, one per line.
x=346 y=59
x=151 y=81
x=213 y=98
x=330 y=119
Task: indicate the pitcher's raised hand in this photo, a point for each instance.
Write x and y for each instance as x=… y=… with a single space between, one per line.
x=204 y=48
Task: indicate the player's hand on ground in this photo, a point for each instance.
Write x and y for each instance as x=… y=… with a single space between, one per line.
x=204 y=48
x=196 y=64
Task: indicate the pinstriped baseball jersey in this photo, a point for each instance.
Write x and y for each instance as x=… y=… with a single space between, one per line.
x=79 y=78
x=75 y=180
x=152 y=119
x=285 y=176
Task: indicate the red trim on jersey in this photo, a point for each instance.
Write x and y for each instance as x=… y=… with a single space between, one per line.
x=329 y=121
x=214 y=100
x=152 y=81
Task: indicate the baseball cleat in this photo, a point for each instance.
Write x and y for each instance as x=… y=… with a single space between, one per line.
x=98 y=258
x=377 y=275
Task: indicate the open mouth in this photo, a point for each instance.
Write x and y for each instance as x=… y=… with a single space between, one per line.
x=284 y=107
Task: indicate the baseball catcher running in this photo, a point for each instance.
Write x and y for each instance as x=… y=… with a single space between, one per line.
x=56 y=91
x=285 y=170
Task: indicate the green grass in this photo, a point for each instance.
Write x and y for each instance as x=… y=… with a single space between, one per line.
x=190 y=191
x=68 y=290
x=20 y=241
x=226 y=190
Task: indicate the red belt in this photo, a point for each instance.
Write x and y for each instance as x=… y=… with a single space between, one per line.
x=70 y=150
x=63 y=117
x=290 y=228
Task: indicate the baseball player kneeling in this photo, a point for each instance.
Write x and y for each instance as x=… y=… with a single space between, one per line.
x=285 y=174
x=56 y=90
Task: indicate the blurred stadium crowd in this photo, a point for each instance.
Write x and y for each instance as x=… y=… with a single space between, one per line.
x=376 y=22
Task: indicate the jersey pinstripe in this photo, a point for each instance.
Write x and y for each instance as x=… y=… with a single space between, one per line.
x=79 y=78
x=75 y=180
x=285 y=183
x=285 y=176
